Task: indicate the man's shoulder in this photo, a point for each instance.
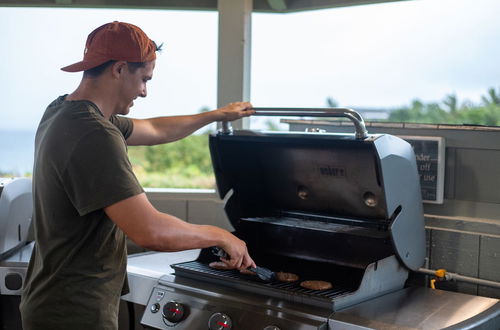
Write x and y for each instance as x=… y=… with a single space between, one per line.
x=77 y=116
x=66 y=124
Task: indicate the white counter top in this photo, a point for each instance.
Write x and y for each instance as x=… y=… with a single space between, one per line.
x=20 y=258
x=145 y=269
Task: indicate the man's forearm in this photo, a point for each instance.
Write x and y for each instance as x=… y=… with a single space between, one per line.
x=174 y=128
x=160 y=130
x=167 y=129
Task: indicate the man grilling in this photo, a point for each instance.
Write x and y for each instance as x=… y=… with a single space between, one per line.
x=86 y=197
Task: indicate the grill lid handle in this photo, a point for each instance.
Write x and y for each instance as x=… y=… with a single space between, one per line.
x=355 y=117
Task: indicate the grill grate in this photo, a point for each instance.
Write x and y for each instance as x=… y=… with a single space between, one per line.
x=196 y=269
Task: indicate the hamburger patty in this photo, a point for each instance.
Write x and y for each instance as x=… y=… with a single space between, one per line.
x=247 y=272
x=219 y=265
x=286 y=277
x=316 y=285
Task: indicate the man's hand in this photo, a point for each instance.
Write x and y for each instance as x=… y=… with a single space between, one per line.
x=149 y=228
x=235 y=110
x=167 y=129
x=237 y=251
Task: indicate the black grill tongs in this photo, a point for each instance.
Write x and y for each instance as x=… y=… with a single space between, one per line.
x=263 y=273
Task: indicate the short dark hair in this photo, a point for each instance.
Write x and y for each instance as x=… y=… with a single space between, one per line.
x=98 y=70
x=132 y=66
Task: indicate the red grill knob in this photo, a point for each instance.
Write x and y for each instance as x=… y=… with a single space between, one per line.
x=220 y=321
x=173 y=312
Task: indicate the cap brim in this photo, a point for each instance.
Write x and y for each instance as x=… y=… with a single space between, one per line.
x=84 y=65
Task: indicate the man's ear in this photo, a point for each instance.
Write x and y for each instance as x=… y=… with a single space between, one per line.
x=118 y=68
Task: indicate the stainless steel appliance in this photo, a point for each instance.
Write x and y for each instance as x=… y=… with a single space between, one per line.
x=342 y=208
x=16 y=210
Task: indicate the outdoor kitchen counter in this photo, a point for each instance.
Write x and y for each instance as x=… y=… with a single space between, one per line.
x=421 y=308
x=145 y=269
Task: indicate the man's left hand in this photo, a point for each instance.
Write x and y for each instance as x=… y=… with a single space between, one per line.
x=235 y=110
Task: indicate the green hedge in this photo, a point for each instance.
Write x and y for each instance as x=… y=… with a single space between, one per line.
x=182 y=164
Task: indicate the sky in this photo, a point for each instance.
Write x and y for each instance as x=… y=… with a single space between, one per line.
x=371 y=56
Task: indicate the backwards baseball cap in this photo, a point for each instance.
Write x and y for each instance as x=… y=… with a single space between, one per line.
x=115 y=41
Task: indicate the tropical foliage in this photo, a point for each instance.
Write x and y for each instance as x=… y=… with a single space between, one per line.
x=182 y=164
x=451 y=111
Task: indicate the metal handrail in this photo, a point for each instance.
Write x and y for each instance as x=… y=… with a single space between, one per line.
x=355 y=117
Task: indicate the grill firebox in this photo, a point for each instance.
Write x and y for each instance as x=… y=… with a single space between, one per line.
x=233 y=278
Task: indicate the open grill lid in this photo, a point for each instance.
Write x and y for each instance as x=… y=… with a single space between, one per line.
x=323 y=174
x=370 y=182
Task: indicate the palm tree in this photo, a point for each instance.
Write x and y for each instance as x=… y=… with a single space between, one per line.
x=451 y=101
x=331 y=103
x=493 y=97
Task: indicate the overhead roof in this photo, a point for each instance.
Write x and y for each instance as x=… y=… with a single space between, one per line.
x=276 y=6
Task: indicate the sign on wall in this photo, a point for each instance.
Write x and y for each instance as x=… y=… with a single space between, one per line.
x=429 y=152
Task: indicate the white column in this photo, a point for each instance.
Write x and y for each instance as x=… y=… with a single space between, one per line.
x=233 y=80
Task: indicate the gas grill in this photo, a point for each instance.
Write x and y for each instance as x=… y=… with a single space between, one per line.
x=342 y=208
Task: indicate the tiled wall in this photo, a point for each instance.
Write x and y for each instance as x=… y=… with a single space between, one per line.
x=467 y=248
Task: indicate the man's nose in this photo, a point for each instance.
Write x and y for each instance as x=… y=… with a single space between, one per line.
x=144 y=92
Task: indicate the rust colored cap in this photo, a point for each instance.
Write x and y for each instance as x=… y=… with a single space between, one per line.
x=115 y=41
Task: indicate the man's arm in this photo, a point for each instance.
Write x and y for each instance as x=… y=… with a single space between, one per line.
x=167 y=129
x=154 y=230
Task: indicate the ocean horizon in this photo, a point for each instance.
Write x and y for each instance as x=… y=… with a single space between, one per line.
x=16 y=151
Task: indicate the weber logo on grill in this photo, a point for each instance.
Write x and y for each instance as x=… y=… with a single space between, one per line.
x=332 y=171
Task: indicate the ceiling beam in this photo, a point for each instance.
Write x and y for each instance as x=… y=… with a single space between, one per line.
x=276 y=6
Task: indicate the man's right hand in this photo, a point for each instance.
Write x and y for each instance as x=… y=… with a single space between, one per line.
x=234 y=111
x=237 y=252
x=154 y=230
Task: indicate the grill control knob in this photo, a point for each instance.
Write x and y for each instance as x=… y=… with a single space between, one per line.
x=155 y=308
x=173 y=312
x=271 y=327
x=219 y=321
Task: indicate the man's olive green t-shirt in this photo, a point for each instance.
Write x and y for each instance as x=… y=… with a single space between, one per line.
x=78 y=267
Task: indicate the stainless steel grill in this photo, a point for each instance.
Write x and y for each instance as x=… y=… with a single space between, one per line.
x=343 y=208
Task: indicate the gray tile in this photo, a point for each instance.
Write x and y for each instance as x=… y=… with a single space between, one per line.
x=461 y=287
x=457 y=253
x=489 y=265
x=476 y=175
x=208 y=212
x=464 y=223
x=175 y=207
x=489 y=258
x=428 y=242
x=487 y=291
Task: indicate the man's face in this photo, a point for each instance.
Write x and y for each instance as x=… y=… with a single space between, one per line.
x=134 y=85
